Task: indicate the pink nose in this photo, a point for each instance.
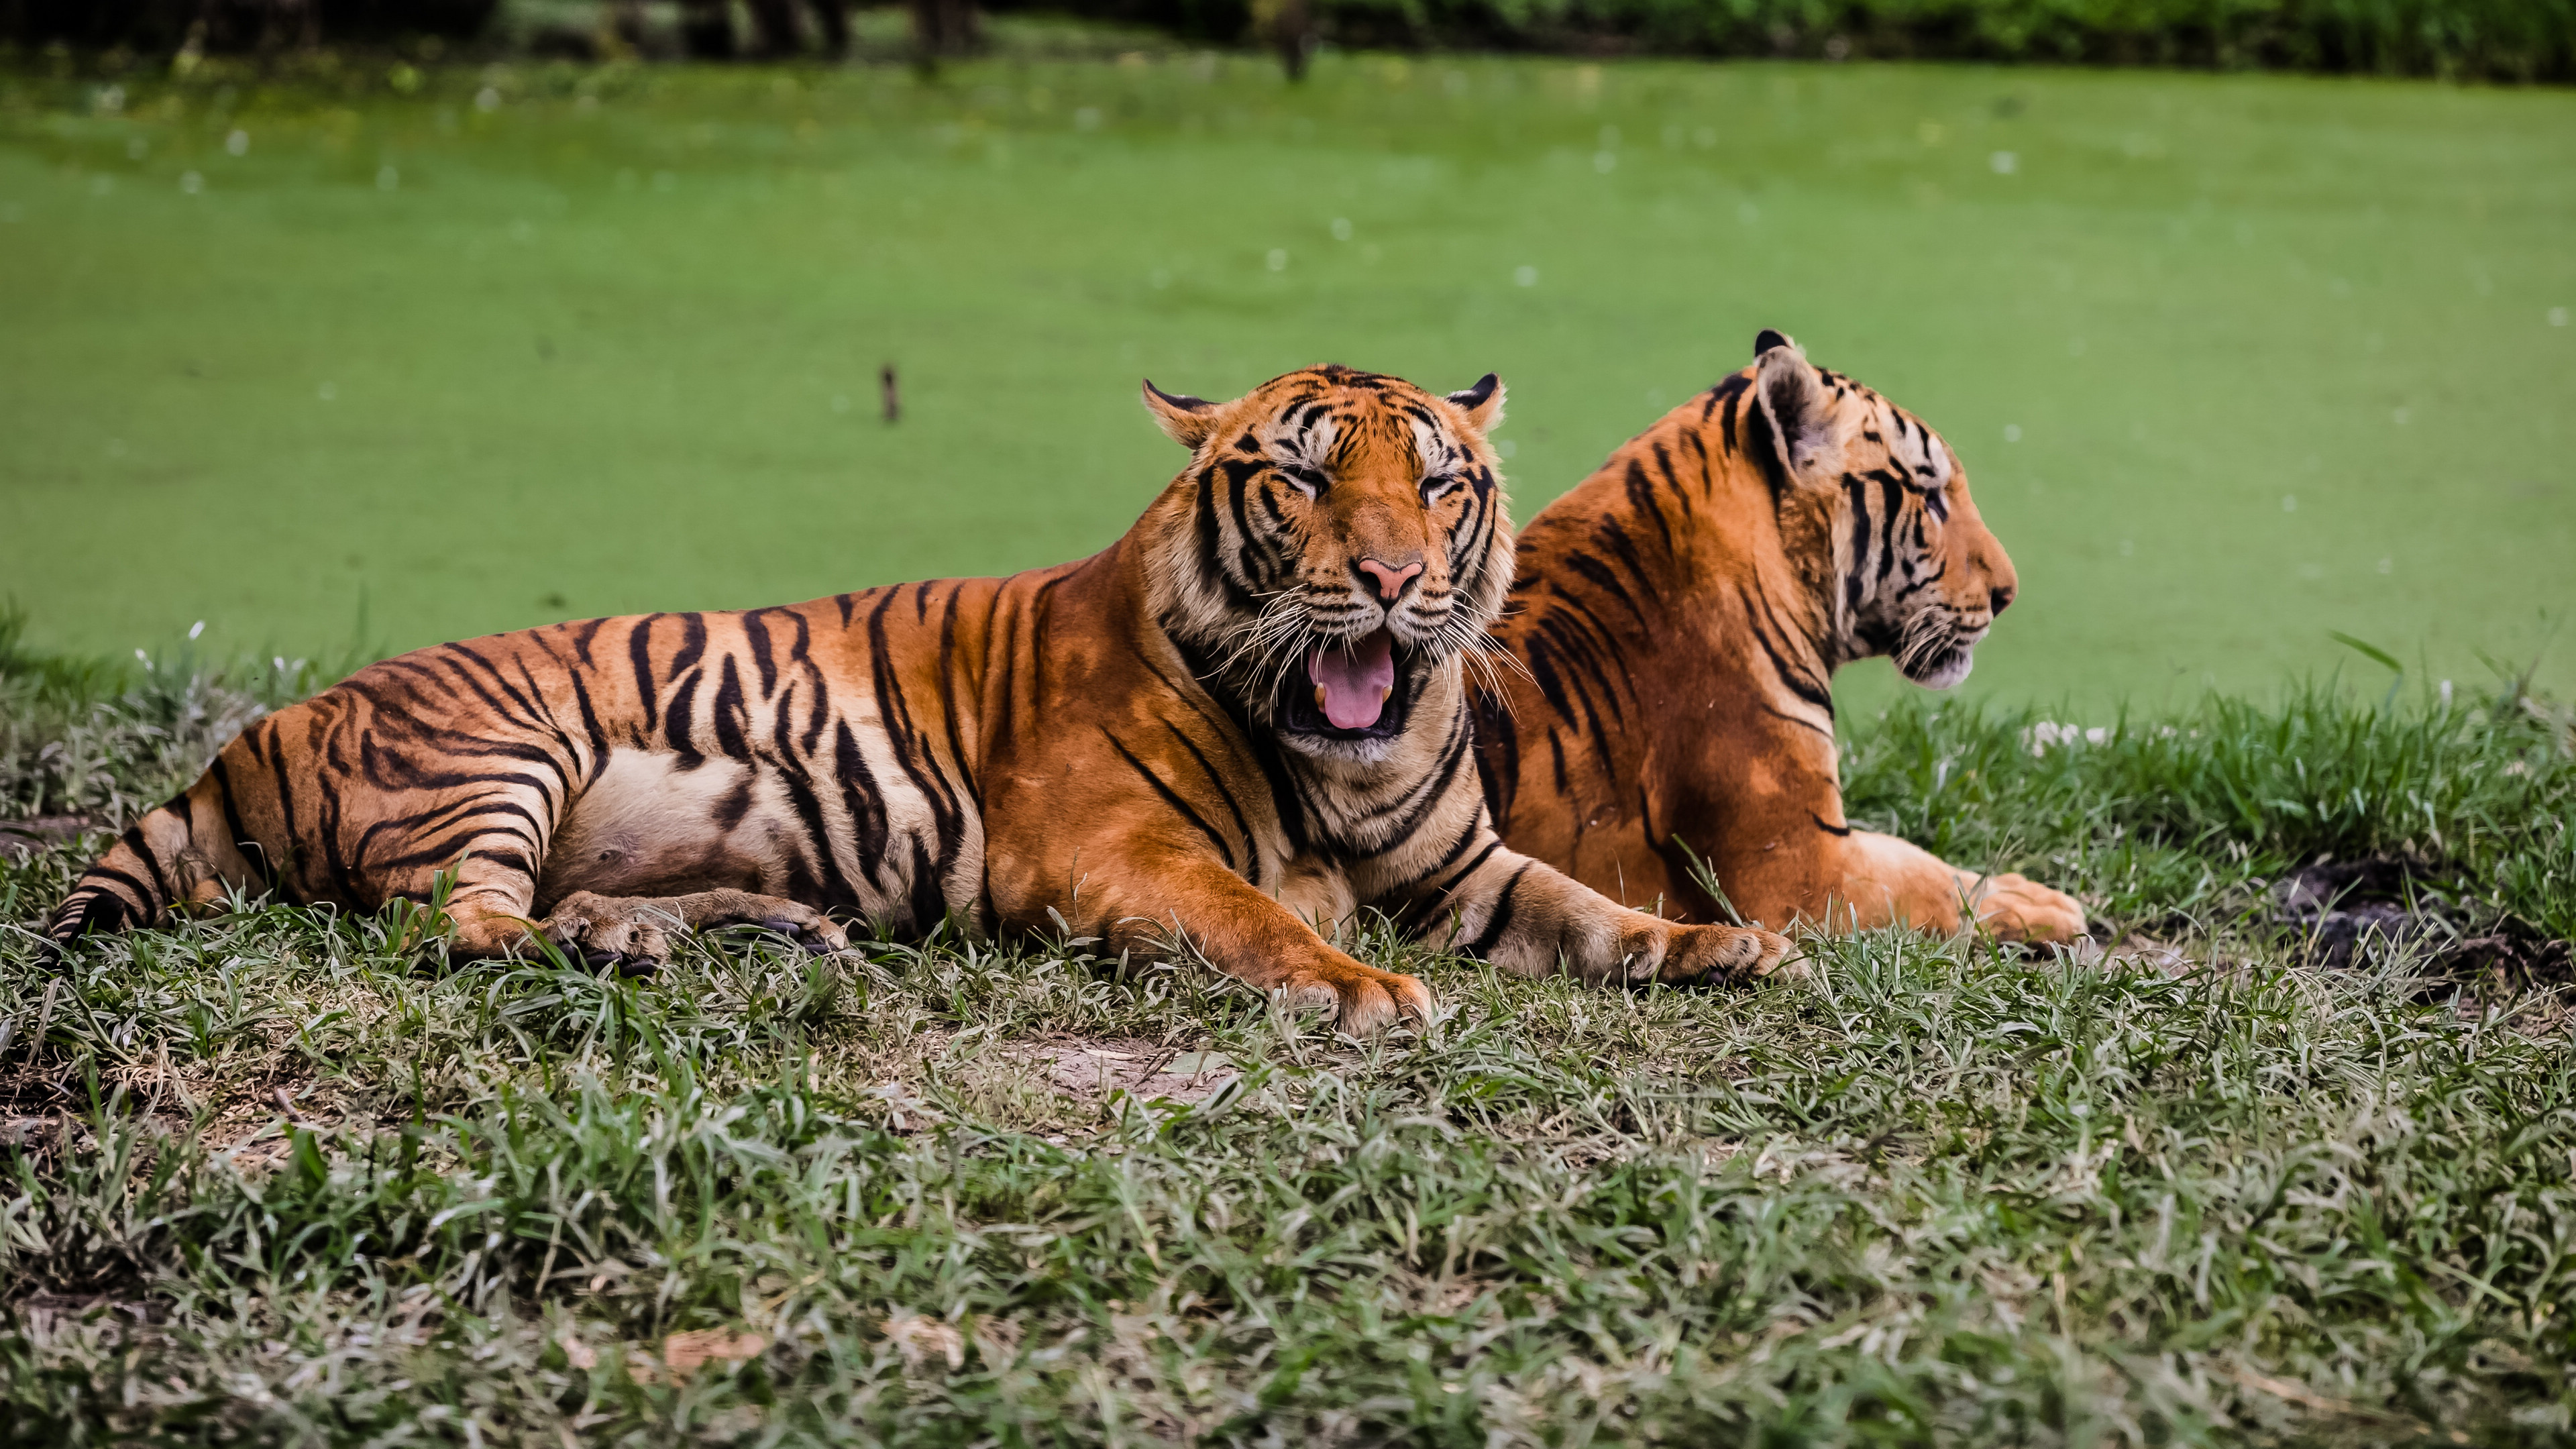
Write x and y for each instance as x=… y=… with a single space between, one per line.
x=1390 y=580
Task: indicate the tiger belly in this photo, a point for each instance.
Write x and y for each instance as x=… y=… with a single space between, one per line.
x=655 y=823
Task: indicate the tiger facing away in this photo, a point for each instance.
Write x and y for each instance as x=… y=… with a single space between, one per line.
x=1243 y=720
x=1678 y=616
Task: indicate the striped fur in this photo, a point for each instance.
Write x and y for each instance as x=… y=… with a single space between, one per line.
x=1142 y=743
x=1679 y=617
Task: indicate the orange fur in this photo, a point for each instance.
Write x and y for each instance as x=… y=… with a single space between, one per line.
x=1678 y=617
x=1227 y=734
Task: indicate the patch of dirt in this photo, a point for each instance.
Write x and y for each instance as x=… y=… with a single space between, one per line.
x=2342 y=906
x=1094 y=1067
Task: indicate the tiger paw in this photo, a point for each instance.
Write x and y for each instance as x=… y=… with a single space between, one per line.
x=2016 y=908
x=608 y=932
x=1363 y=1000
x=1722 y=953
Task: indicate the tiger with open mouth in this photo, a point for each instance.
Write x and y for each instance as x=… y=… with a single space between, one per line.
x=1228 y=734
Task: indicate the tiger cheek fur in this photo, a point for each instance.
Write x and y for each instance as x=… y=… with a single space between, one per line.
x=1223 y=736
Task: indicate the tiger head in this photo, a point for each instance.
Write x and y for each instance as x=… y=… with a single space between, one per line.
x=1916 y=574
x=1338 y=539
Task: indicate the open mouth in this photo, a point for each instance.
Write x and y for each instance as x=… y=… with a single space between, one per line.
x=1348 y=689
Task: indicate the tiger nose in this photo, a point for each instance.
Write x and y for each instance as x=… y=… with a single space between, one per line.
x=2000 y=598
x=1390 y=579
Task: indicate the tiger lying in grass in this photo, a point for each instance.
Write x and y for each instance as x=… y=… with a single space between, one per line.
x=1677 y=617
x=1242 y=721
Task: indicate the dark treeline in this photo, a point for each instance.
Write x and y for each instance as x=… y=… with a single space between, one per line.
x=2519 y=40
x=2510 y=40
x=238 y=25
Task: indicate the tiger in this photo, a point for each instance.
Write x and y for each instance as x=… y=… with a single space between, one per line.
x=1676 y=619
x=1234 y=735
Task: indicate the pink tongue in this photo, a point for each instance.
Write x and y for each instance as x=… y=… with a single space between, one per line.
x=1355 y=679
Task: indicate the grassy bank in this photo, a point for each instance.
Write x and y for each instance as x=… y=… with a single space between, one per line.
x=275 y=1181
x=2275 y=357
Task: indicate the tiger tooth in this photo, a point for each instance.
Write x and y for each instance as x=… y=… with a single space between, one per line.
x=1319 y=696
x=1386 y=694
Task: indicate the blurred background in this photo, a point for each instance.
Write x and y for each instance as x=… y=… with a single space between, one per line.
x=332 y=327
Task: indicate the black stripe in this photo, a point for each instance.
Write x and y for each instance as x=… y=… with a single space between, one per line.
x=1501 y=920
x=1172 y=797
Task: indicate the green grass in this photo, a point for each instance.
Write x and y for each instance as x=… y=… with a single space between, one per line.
x=2279 y=351
x=279 y=1181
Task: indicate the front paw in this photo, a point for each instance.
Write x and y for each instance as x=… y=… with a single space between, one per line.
x=1722 y=953
x=2016 y=908
x=1363 y=1000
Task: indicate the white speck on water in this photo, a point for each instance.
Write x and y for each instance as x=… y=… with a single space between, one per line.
x=2289 y=503
x=522 y=230
x=191 y=183
x=1524 y=276
x=2004 y=163
x=1605 y=162
x=1341 y=228
x=1747 y=213
x=237 y=143
x=146 y=658
x=328 y=392
x=197 y=629
x=387 y=178
x=101 y=185
x=116 y=447
x=2012 y=432
x=665 y=181
x=2075 y=346
x=2401 y=415
x=109 y=100
x=137 y=149
x=1159 y=279
x=1507 y=447
x=2312 y=571
x=1278 y=259
x=2557 y=316
x=487 y=100
x=1087 y=119
x=840 y=402
x=1609 y=138
x=2128 y=546
x=2389 y=565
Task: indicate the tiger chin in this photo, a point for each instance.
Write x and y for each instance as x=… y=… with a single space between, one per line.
x=1678 y=617
x=1225 y=736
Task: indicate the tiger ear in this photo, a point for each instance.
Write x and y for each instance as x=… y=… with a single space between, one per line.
x=1184 y=419
x=1793 y=402
x=1483 y=403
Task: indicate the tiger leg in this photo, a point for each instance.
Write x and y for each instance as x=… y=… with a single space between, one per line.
x=1170 y=902
x=632 y=933
x=1887 y=881
x=1529 y=918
